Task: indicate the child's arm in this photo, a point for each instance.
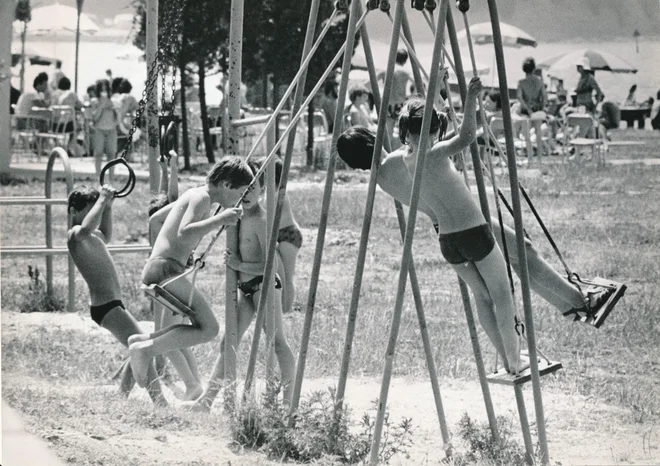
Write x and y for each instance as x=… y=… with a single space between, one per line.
x=158 y=218
x=191 y=226
x=468 y=130
x=252 y=268
x=173 y=185
x=99 y=216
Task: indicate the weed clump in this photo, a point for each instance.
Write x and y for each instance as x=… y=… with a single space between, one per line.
x=317 y=434
x=37 y=299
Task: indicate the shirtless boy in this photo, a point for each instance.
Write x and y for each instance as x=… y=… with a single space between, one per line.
x=250 y=265
x=183 y=360
x=91 y=215
x=186 y=222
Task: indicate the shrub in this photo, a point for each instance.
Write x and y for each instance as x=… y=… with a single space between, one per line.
x=37 y=298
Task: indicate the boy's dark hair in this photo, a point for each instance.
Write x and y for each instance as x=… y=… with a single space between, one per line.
x=232 y=171
x=529 y=65
x=102 y=85
x=401 y=56
x=81 y=197
x=356 y=92
x=410 y=121
x=658 y=95
x=255 y=166
x=116 y=82
x=64 y=84
x=355 y=146
x=495 y=97
x=157 y=202
x=330 y=88
x=92 y=89
x=125 y=87
x=40 y=79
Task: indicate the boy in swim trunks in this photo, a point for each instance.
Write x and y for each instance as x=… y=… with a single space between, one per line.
x=356 y=145
x=183 y=360
x=250 y=265
x=289 y=241
x=91 y=216
x=186 y=222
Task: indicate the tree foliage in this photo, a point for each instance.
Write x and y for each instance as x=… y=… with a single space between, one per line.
x=23 y=11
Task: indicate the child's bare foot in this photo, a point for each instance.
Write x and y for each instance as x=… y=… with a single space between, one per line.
x=137 y=337
x=140 y=361
x=200 y=405
x=193 y=392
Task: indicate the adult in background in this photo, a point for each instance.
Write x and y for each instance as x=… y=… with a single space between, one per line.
x=655 y=112
x=328 y=102
x=56 y=75
x=586 y=86
x=13 y=99
x=39 y=98
x=631 y=100
x=531 y=90
x=402 y=87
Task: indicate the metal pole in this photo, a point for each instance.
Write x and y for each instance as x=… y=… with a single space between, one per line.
x=231 y=277
x=520 y=237
x=371 y=193
x=469 y=316
x=279 y=206
x=410 y=228
x=7 y=11
x=153 y=139
x=271 y=194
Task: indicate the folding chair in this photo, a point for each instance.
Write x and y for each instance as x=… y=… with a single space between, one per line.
x=581 y=132
x=24 y=130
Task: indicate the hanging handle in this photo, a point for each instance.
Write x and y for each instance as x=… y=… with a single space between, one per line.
x=130 y=183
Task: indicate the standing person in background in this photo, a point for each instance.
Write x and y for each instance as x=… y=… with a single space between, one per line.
x=104 y=117
x=586 y=87
x=328 y=102
x=531 y=90
x=631 y=100
x=402 y=87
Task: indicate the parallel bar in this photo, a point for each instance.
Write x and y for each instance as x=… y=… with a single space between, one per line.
x=153 y=139
x=520 y=236
x=279 y=206
x=61 y=250
x=368 y=212
x=32 y=201
x=410 y=228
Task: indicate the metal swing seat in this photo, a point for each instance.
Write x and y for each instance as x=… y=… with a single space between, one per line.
x=503 y=377
x=166 y=299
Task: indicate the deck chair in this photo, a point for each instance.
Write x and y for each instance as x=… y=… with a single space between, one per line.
x=63 y=125
x=24 y=130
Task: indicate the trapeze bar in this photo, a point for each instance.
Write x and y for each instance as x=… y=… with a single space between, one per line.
x=167 y=299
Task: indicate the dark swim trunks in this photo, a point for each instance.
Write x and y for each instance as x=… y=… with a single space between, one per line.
x=159 y=269
x=290 y=234
x=471 y=245
x=250 y=287
x=99 y=312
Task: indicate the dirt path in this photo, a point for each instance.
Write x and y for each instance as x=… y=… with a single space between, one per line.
x=581 y=431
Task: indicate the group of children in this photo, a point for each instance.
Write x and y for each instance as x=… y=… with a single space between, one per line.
x=467 y=241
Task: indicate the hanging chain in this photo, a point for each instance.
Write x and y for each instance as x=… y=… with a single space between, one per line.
x=171 y=28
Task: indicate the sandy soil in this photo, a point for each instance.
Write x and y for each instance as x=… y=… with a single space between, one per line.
x=581 y=431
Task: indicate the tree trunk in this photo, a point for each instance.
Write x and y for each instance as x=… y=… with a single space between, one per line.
x=184 y=114
x=310 y=133
x=204 y=113
x=264 y=90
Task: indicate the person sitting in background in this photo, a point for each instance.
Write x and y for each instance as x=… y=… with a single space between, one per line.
x=357 y=111
x=531 y=90
x=13 y=99
x=631 y=100
x=609 y=116
x=586 y=87
x=655 y=112
x=67 y=96
x=39 y=98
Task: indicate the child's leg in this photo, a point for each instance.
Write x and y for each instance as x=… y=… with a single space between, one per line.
x=282 y=350
x=180 y=361
x=288 y=255
x=98 y=141
x=161 y=363
x=122 y=325
x=245 y=311
x=544 y=279
x=468 y=272
x=203 y=329
x=493 y=271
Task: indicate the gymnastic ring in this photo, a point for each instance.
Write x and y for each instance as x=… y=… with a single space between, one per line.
x=166 y=144
x=463 y=5
x=130 y=183
x=418 y=5
x=430 y=5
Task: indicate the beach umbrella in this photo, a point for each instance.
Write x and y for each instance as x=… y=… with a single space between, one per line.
x=598 y=60
x=482 y=33
x=30 y=55
x=58 y=19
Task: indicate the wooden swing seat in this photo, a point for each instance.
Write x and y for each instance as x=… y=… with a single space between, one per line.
x=619 y=290
x=503 y=377
x=168 y=300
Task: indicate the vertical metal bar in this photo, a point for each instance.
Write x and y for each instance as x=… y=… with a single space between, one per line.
x=7 y=12
x=520 y=237
x=233 y=97
x=286 y=164
x=410 y=228
x=153 y=139
x=407 y=34
x=371 y=193
x=271 y=194
x=469 y=316
x=524 y=424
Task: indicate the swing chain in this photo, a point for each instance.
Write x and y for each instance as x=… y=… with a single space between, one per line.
x=519 y=326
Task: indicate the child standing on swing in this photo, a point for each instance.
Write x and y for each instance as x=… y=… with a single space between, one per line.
x=187 y=221
x=466 y=239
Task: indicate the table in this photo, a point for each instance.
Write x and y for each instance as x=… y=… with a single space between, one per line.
x=632 y=114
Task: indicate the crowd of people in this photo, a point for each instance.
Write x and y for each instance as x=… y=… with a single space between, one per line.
x=108 y=107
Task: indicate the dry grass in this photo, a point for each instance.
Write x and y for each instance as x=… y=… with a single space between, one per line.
x=605 y=221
